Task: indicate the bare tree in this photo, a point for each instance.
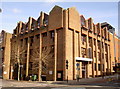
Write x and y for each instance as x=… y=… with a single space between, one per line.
x=17 y=59
x=46 y=56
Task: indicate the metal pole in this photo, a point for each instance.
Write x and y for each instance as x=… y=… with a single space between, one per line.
x=67 y=75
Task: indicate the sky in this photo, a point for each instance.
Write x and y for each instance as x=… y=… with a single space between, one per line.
x=13 y=12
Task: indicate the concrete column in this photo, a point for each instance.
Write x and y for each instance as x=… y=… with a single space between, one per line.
x=101 y=60
x=79 y=45
x=74 y=61
x=87 y=46
x=65 y=24
x=107 y=59
x=27 y=63
x=93 y=62
x=96 y=57
x=104 y=61
x=40 y=60
x=55 y=55
x=110 y=62
x=108 y=52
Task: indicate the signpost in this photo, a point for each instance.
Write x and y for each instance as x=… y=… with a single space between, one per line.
x=78 y=71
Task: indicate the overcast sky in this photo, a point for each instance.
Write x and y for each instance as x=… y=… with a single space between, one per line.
x=20 y=11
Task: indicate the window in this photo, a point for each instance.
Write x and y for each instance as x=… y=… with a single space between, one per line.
x=33 y=26
x=83 y=52
x=102 y=55
x=30 y=65
x=99 y=56
x=102 y=45
x=52 y=48
x=94 y=30
x=52 y=34
x=31 y=51
x=99 y=45
x=106 y=57
x=106 y=47
x=25 y=53
x=83 y=38
x=38 y=20
x=45 y=22
x=95 y=66
x=98 y=29
x=24 y=66
x=22 y=30
x=90 y=41
x=99 y=67
x=38 y=36
x=31 y=40
x=94 y=41
x=44 y=48
x=83 y=22
x=43 y=66
x=26 y=41
x=94 y=53
x=89 y=24
x=44 y=34
x=21 y=42
x=26 y=27
x=105 y=31
x=90 y=52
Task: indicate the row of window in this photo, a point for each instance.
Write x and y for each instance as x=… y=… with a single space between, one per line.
x=95 y=68
x=96 y=28
x=84 y=51
x=37 y=37
x=34 y=25
x=84 y=39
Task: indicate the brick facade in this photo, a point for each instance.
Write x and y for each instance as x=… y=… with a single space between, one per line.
x=68 y=35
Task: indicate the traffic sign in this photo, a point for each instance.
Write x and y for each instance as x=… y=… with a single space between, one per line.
x=77 y=64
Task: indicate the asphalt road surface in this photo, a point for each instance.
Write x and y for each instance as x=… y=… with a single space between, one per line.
x=12 y=84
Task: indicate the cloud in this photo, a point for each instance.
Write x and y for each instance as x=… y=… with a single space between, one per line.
x=15 y=10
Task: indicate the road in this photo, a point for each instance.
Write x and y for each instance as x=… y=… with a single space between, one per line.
x=98 y=83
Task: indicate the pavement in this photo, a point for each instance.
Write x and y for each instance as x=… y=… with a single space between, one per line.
x=99 y=81
x=91 y=83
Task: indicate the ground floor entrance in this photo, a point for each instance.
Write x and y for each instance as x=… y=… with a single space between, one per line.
x=59 y=75
x=84 y=69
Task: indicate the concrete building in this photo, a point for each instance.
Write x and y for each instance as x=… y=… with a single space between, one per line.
x=5 y=47
x=88 y=48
